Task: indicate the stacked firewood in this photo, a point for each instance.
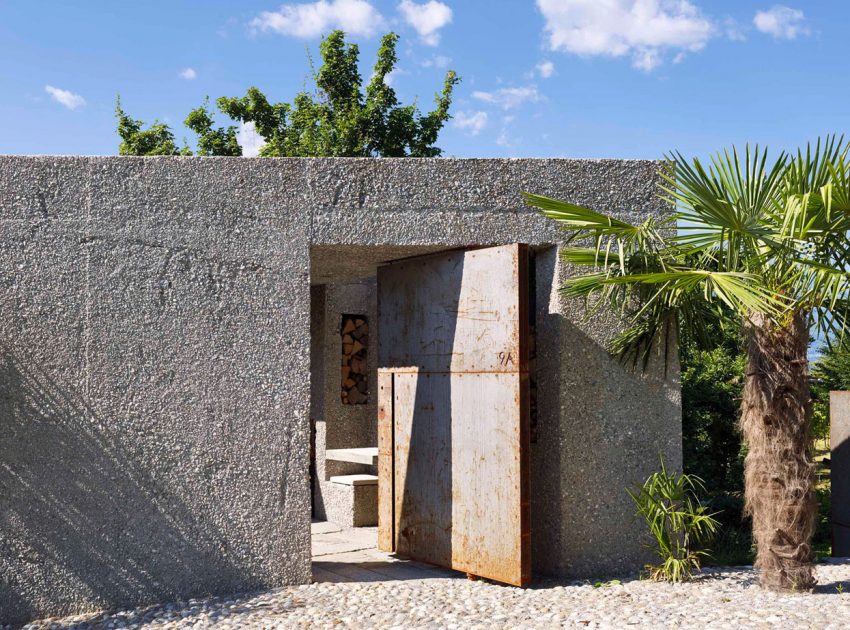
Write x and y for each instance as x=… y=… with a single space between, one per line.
x=355 y=338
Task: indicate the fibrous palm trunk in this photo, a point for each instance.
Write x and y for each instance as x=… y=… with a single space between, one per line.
x=779 y=474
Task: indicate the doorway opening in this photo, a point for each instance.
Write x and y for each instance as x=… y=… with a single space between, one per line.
x=343 y=410
x=438 y=305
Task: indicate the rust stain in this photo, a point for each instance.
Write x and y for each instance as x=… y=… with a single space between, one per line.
x=505 y=558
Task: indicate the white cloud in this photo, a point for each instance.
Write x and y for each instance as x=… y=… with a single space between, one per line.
x=733 y=30
x=391 y=77
x=643 y=29
x=65 y=97
x=503 y=139
x=249 y=139
x=647 y=59
x=437 y=61
x=312 y=19
x=426 y=18
x=509 y=98
x=545 y=69
x=188 y=74
x=472 y=122
x=781 y=22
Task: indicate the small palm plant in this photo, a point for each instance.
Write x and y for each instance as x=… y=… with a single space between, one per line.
x=678 y=522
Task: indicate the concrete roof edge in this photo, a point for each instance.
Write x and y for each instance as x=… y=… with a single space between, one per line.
x=319 y=159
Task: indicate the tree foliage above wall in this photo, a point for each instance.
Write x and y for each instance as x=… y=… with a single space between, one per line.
x=135 y=140
x=337 y=119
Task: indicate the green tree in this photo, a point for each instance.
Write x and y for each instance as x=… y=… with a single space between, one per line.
x=336 y=119
x=712 y=386
x=135 y=140
x=212 y=141
x=712 y=377
x=769 y=242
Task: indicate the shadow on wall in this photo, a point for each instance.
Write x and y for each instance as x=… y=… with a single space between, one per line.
x=840 y=484
x=76 y=510
x=604 y=429
x=546 y=436
x=600 y=429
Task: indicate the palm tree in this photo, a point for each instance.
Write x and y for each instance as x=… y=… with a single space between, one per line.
x=755 y=244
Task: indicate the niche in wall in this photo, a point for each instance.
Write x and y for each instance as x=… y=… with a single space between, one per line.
x=354 y=330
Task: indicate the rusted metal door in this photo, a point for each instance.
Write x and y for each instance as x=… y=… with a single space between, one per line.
x=453 y=418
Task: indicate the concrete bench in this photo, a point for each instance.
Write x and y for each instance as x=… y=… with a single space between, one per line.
x=351 y=500
x=368 y=456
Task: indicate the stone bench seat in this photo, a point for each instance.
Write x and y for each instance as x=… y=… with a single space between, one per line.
x=368 y=455
x=355 y=480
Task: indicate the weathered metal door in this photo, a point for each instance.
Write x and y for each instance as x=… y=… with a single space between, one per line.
x=453 y=417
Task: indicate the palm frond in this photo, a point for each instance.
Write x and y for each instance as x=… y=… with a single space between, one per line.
x=754 y=235
x=722 y=207
x=589 y=256
x=609 y=233
x=740 y=291
x=836 y=192
x=808 y=173
x=572 y=216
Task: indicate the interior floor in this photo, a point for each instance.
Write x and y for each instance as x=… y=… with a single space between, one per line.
x=351 y=555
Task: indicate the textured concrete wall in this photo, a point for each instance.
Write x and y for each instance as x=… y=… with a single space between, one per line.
x=154 y=381
x=154 y=329
x=349 y=425
x=601 y=428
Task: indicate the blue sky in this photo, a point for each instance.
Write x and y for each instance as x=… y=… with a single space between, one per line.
x=576 y=78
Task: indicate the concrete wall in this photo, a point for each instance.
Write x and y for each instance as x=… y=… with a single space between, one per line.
x=349 y=425
x=154 y=377
x=601 y=428
x=154 y=330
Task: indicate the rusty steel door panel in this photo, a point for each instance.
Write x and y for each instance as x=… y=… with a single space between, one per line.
x=453 y=411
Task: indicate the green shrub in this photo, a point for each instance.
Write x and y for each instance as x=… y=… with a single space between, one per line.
x=712 y=386
x=822 y=540
x=678 y=522
x=733 y=543
x=733 y=547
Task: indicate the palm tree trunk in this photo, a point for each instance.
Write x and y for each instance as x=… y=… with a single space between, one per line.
x=779 y=474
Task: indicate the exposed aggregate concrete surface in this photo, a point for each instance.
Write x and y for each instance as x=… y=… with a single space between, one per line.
x=720 y=598
x=155 y=386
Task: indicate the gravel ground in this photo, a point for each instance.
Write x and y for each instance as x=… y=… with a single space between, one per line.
x=727 y=598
